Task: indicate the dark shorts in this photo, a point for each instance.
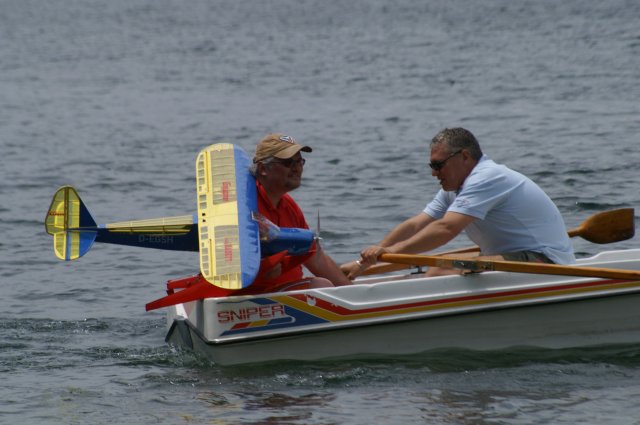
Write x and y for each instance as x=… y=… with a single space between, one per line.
x=527 y=256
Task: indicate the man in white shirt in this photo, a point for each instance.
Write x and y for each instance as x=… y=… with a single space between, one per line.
x=505 y=213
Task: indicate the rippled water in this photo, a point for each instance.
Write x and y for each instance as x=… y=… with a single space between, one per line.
x=116 y=98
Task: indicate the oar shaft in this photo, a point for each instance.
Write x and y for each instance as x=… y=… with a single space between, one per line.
x=389 y=267
x=510 y=266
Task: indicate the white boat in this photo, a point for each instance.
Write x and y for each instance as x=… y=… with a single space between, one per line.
x=410 y=314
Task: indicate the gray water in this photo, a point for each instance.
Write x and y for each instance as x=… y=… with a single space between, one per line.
x=117 y=97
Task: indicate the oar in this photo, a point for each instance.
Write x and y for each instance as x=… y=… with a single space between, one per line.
x=601 y=228
x=509 y=266
x=607 y=226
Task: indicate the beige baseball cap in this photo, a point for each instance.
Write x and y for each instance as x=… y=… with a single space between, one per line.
x=278 y=145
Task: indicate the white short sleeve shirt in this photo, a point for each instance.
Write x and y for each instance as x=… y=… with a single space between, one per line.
x=513 y=213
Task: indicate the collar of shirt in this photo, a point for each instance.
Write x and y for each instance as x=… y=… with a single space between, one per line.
x=262 y=193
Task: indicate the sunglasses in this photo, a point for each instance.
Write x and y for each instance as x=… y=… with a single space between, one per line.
x=439 y=165
x=290 y=162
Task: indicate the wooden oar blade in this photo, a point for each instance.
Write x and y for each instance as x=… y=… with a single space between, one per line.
x=607 y=226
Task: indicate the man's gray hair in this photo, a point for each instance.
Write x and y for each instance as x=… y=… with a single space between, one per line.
x=457 y=139
x=253 y=169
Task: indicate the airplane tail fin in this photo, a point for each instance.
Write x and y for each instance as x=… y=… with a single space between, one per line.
x=71 y=225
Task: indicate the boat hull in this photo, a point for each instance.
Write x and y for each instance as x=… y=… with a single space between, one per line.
x=405 y=315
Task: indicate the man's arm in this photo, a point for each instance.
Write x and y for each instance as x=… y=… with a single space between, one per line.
x=321 y=265
x=436 y=233
x=402 y=231
x=406 y=229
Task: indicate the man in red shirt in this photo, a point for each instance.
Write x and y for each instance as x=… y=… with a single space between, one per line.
x=277 y=166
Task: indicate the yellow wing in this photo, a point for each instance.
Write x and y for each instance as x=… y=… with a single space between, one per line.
x=219 y=239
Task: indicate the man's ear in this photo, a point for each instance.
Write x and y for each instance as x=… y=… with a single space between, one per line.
x=261 y=169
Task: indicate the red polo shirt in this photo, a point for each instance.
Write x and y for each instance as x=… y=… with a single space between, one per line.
x=286 y=214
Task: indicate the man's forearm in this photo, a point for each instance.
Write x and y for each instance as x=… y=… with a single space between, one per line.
x=403 y=231
x=431 y=237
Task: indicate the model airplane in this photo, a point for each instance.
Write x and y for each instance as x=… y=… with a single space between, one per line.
x=227 y=231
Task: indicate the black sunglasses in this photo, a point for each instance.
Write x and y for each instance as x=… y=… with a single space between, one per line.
x=290 y=162
x=438 y=165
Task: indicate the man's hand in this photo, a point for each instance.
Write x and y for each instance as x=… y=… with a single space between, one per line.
x=369 y=255
x=353 y=269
